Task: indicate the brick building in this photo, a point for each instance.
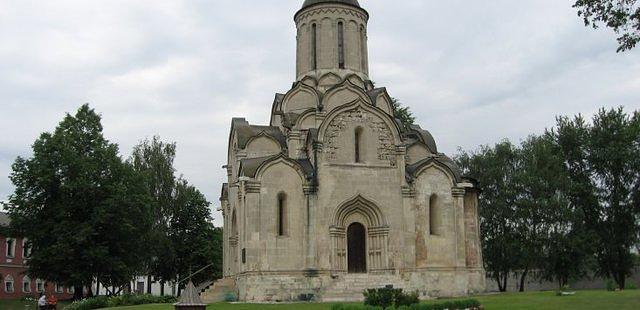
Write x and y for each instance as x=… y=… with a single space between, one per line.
x=13 y=267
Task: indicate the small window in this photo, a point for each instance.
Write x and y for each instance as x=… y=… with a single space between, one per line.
x=363 y=48
x=341 y=45
x=358 y=145
x=59 y=288
x=39 y=286
x=435 y=218
x=282 y=214
x=314 y=46
x=8 y=284
x=71 y=290
x=11 y=247
x=244 y=256
x=26 y=249
x=26 y=285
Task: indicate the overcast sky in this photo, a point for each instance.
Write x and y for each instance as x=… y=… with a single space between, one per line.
x=473 y=72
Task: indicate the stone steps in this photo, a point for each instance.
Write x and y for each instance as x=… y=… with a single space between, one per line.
x=218 y=291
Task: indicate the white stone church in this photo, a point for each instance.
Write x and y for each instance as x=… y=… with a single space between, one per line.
x=335 y=195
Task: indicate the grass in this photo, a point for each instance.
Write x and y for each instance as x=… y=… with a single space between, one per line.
x=583 y=300
x=23 y=305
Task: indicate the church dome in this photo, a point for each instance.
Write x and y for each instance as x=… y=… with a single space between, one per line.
x=308 y=3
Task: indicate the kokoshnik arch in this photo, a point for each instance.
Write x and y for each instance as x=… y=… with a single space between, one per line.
x=335 y=195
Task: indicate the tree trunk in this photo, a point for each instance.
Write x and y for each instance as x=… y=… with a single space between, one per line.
x=149 y=284
x=621 y=279
x=523 y=278
x=162 y=288
x=97 y=287
x=78 y=292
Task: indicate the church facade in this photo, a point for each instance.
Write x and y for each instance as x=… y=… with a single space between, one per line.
x=335 y=195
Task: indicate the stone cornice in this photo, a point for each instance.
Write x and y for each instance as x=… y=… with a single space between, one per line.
x=305 y=14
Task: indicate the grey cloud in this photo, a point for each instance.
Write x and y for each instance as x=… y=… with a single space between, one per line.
x=472 y=72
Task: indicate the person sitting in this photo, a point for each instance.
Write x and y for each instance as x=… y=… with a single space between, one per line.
x=42 y=302
x=52 y=302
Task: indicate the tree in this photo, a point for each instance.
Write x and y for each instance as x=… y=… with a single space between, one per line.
x=495 y=168
x=404 y=114
x=193 y=234
x=154 y=161
x=614 y=157
x=623 y=16
x=83 y=210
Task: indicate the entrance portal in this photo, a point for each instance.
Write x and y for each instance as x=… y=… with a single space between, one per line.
x=357 y=248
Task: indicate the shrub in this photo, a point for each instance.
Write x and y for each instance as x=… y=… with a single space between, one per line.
x=117 y=301
x=388 y=296
x=630 y=286
x=611 y=285
x=449 y=305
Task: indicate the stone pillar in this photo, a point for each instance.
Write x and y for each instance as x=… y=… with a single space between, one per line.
x=253 y=222
x=310 y=228
x=458 y=207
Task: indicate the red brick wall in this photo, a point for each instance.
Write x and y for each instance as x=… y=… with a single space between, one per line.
x=16 y=268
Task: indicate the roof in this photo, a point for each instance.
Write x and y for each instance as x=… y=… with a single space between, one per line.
x=426 y=138
x=308 y=3
x=250 y=166
x=442 y=160
x=245 y=132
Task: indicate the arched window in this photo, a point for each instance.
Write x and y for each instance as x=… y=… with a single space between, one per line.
x=314 y=46
x=11 y=247
x=39 y=286
x=282 y=214
x=435 y=217
x=26 y=285
x=26 y=249
x=8 y=284
x=358 y=145
x=341 y=45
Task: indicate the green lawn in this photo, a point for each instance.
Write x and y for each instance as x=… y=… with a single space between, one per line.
x=583 y=300
x=22 y=305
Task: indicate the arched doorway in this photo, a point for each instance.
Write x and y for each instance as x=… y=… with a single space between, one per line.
x=357 y=248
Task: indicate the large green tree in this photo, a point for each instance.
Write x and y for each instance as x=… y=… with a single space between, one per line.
x=495 y=168
x=83 y=210
x=613 y=164
x=623 y=16
x=153 y=160
x=195 y=240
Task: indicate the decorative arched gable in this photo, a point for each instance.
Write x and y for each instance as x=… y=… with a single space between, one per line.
x=384 y=102
x=356 y=80
x=300 y=98
x=306 y=120
x=369 y=210
x=262 y=145
x=281 y=160
x=329 y=79
x=435 y=163
x=380 y=130
x=341 y=94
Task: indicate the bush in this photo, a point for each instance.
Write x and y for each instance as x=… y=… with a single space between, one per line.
x=389 y=296
x=450 y=305
x=630 y=286
x=117 y=301
x=611 y=285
